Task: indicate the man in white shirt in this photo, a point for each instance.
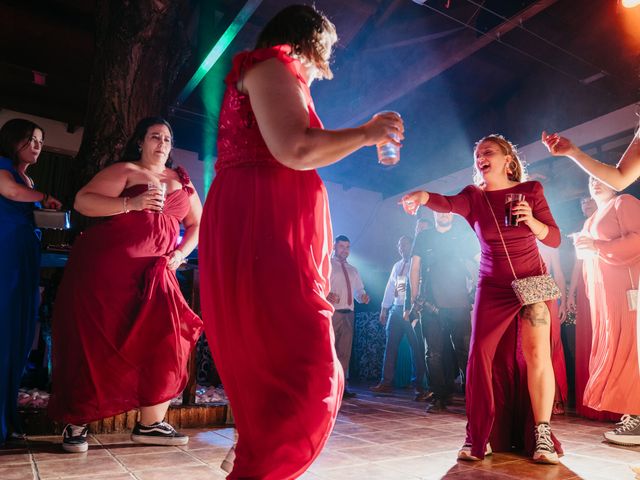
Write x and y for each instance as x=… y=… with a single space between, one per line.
x=391 y=316
x=346 y=286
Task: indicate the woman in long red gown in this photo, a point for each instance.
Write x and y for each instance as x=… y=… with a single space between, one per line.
x=265 y=248
x=510 y=378
x=122 y=331
x=610 y=246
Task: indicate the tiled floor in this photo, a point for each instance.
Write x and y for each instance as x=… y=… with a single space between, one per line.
x=375 y=438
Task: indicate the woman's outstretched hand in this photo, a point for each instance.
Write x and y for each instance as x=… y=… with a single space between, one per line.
x=412 y=201
x=557 y=145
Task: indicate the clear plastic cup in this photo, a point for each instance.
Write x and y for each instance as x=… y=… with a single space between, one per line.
x=388 y=152
x=162 y=187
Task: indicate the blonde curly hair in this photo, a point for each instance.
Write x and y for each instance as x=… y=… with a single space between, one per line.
x=516 y=170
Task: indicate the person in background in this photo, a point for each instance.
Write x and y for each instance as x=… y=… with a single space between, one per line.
x=346 y=286
x=578 y=302
x=122 y=331
x=609 y=245
x=497 y=409
x=265 y=273
x=391 y=317
x=20 y=146
x=440 y=273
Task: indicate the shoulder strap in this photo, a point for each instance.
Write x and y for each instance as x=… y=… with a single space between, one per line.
x=499 y=233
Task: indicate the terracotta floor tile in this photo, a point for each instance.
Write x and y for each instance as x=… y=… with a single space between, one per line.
x=17 y=472
x=211 y=456
x=149 y=461
x=14 y=456
x=374 y=439
x=54 y=452
x=208 y=438
x=425 y=466
x=182 y=473
x=79 y=467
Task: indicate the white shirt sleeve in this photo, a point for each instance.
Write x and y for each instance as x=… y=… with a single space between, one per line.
x=389 y=291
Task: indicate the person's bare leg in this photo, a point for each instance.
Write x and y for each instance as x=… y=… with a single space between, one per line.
x=153 y=414
x=536 y=346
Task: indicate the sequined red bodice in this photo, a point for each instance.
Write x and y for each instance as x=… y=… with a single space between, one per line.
x=239 y=140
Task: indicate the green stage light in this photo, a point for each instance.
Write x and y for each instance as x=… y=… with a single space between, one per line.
x=219 y=48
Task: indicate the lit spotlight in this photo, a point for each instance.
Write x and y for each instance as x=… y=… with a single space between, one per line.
x=630 y=3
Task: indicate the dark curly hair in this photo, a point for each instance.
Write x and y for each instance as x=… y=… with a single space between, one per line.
x=309 y=32
x=13 y=133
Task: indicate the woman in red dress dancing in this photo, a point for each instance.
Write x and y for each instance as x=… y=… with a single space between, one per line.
x=265 y=248
x=122 y=331
x=510 y=378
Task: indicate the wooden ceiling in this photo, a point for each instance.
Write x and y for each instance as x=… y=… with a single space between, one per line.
x=455 y=72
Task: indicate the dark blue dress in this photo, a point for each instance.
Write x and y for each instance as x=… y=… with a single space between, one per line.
x=19 y=279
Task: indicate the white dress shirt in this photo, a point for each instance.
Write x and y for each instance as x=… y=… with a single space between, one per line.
x=339 y=284
x=396 y=290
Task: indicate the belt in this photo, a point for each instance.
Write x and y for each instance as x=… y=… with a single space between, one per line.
x=344 y=310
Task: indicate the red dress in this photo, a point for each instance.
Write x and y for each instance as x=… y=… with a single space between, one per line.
x=122 y=331
x=265 y=244
x=497 y=397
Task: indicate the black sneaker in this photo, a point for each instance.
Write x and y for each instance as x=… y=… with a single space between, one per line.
x=627 y=431
x=74 y=438
x=545 y=451
x=159 y=433
x=437 y=406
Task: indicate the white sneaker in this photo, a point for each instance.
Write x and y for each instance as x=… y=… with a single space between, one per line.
x=545 y=451
x=465 y=453
x=227 y=463
x=627 y=432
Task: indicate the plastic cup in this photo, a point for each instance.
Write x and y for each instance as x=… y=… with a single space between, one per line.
x=162 y=187
x=510 y=201
x=388 y=152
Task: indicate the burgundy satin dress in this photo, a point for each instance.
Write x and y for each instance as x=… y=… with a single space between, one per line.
x=497 y=397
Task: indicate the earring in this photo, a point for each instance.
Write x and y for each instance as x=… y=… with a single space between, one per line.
x=139 y=149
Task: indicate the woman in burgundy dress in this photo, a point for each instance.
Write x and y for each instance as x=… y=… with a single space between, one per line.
x=510 y=378
x=265 y=248
x=122 y=331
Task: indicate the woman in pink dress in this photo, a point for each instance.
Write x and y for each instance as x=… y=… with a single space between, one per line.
x=265 y=245
x=577 y=300
x=510 y=377
x=610 y=247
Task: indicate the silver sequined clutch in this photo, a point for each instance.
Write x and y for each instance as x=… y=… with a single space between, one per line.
x=536 y=289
